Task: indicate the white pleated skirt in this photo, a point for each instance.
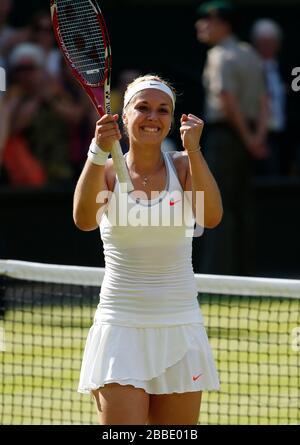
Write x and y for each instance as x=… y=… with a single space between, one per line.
x=163 y=360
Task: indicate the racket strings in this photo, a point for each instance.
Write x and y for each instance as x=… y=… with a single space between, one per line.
x=83 y=39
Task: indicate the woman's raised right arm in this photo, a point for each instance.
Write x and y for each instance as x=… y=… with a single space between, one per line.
x=90 y=184
x=92 y=180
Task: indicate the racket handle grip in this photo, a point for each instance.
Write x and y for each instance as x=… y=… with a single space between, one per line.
x=121 y=168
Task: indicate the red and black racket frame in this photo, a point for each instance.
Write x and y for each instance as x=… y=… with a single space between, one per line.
x=98 y=93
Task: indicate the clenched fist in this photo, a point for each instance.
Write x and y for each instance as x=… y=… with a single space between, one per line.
x=191 y=131
x=107 y=131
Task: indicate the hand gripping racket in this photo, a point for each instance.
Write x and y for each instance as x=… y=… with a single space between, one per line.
x=82 y=36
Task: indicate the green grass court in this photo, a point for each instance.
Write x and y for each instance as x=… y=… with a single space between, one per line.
x=250 y=337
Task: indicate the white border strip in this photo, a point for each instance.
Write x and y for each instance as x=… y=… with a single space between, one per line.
x=93 y=276
x=248 y=286
x=52 y=273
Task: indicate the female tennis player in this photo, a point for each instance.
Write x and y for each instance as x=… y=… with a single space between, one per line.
x=147 y=358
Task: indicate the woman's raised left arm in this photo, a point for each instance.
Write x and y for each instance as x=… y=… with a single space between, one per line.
x=199 y=177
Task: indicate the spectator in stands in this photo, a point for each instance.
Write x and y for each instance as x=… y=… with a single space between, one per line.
x=42 y=34
x=81 y=116
x=38 y=120
x=235 y=114
x=267 y=38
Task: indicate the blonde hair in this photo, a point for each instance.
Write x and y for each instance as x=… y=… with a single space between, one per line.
x=150 y=77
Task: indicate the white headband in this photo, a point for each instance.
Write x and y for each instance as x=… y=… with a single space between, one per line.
x=148 y=84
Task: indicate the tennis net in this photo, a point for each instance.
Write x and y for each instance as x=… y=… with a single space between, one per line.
x=253 y=325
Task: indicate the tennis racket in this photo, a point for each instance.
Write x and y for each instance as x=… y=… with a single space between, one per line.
x=82 y=36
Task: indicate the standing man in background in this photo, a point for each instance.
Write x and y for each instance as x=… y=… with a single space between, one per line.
x=267 y=38
x=235 y=133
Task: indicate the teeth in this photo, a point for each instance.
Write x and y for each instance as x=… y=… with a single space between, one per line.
x=151 y=130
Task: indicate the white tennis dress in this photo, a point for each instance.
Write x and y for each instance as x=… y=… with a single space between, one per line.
x=148 y=328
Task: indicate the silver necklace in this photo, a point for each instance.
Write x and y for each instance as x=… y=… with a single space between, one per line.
x=146 y=178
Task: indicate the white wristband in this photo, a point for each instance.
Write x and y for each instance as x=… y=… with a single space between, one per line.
x=96 y=155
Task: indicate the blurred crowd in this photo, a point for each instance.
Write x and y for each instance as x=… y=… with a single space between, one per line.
x=46 y=121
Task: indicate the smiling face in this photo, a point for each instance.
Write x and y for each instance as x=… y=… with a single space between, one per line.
x=148 y=117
